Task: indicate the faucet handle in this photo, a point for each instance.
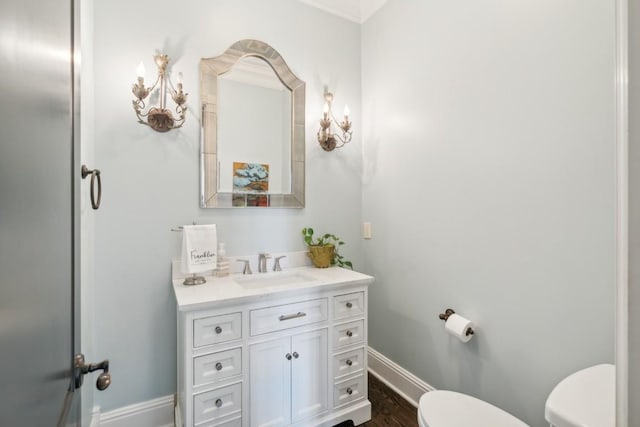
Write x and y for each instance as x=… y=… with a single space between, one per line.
x=247 y=266
x=264 y=255
x=276 y=263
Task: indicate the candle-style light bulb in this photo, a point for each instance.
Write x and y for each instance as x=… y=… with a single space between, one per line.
x=325 y=110
x=141 y=71
x=179 y=78
x=346 y=113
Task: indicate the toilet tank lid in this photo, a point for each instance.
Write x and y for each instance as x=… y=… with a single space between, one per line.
x=441 y=408
x=585 y=399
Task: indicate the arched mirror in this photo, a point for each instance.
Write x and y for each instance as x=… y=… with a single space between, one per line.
x=252 y=141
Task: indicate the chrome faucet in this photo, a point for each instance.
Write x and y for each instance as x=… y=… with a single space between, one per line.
x=262 y=262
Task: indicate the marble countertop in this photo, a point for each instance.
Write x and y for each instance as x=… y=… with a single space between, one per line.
x=236 y=287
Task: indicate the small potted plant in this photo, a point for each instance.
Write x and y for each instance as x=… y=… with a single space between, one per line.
x=323 y=250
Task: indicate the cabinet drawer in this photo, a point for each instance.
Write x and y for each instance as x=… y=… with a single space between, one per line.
x=216 y=329
x=216 y=366
x=236 y=422
x=348 y=305
x=348 y=391
x=348 y=333
x=348 y=363
x=217 y=403
x=287 y=316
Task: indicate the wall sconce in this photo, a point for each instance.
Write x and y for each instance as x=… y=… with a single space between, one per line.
x=159 y=118
x=327 y=139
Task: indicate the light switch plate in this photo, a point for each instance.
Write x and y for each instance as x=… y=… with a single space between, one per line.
x=366 y=230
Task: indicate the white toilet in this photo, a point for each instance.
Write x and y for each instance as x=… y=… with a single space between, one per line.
x=583 y=399
x=441 y=408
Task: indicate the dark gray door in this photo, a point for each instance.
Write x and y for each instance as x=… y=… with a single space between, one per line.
x=37 y=212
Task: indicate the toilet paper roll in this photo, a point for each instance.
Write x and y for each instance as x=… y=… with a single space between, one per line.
x=458 y=326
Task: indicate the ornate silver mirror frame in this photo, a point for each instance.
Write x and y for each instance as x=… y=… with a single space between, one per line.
x=210 y=69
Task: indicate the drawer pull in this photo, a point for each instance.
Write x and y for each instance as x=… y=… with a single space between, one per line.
x=349 y=362
x=349 y=392
x=218 y=330
x=218 y=366
x=292 y=316
x=219 y=402
x=288 y=356
x=295 y=354
x=349 y=305
x=349 y=334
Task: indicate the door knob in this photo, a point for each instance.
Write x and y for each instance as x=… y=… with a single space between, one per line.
x=81 y=369
x=104 y=381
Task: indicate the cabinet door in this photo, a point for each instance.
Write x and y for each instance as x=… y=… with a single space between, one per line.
x=309 y=374
x=270 y=374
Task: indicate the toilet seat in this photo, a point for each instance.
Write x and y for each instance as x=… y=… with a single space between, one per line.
x=441 y=408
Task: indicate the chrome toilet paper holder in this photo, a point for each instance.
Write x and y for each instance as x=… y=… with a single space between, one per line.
x=445 y=316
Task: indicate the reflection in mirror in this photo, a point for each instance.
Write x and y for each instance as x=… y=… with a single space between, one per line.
x=256 y=132
x=252 y=146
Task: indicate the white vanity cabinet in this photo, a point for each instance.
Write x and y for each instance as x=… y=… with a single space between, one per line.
x=291 y=355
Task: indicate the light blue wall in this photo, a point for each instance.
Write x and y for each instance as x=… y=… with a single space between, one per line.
x=489 y=181
x=150 y=179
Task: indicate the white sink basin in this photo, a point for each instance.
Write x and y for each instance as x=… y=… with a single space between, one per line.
x=282 y=278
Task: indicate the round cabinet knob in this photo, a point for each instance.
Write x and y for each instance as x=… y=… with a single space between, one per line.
x=218 y=403
x=349 y=362
x=349 y=391
x=218 y=366
x=218 y=330
x=349 y=305
x=288 y=356
x=295 y=354
x=349 y=334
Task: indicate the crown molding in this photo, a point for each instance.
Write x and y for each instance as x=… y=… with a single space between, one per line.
x=354 y=10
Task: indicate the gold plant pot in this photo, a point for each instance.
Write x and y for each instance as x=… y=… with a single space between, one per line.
x=321 y=256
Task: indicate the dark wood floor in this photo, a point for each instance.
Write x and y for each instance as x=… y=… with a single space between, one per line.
x=388 y=409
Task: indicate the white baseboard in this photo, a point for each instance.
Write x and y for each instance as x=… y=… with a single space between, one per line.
x=152 y=413
x=397 y=378
x=95 y=417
